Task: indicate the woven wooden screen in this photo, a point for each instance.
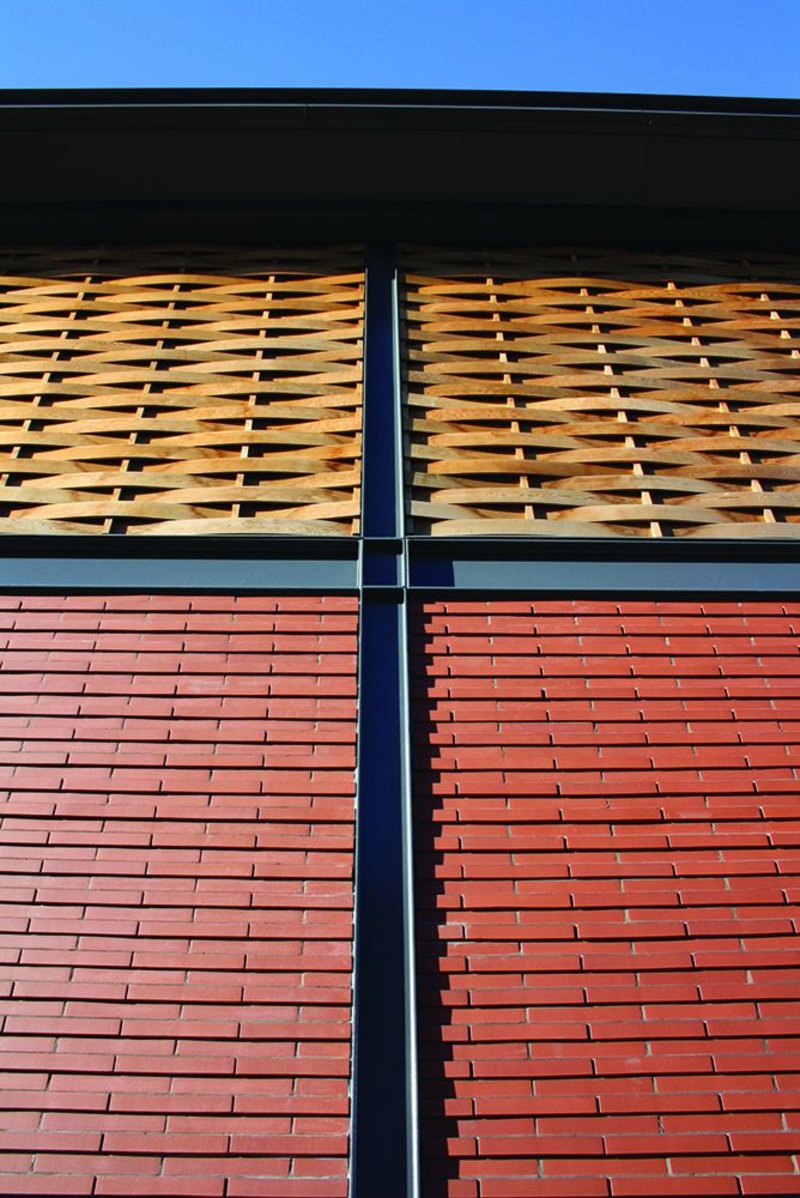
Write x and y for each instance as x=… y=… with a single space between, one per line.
x=180 y=390
x=603 y=393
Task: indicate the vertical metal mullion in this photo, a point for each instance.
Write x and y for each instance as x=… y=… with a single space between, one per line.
x=407 y=820
x=384 y=1139
x=382 y=484
x=407 y=805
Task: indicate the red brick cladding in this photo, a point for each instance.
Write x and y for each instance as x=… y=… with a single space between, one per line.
x=176 y=920
x=608 y=830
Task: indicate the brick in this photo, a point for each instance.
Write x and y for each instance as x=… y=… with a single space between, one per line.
x=537 y=1187
x=631 y=1167
x=666 y=1187
x=43 y=1185
x=290 y=1188
x=767 y=1186
x=168 y=1187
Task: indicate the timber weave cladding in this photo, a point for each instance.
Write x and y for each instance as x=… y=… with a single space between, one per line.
x=603 y=393
x=203 y=389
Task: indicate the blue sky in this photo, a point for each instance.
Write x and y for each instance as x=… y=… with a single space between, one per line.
x=701 y=47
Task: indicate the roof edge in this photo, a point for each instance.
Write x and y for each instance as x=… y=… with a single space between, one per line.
x=328 y=146
x=397 y=98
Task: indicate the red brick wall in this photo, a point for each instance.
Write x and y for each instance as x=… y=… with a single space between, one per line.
x=176 y=918
x=608 y=830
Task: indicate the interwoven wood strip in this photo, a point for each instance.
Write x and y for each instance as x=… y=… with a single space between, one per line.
x=180 y=390
x=603 y=393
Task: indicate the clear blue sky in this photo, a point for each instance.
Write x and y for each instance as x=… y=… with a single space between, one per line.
x=701 y=47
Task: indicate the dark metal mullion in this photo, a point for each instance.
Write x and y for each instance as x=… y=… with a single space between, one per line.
x=383 y=1158
x=381 y=509
x=384 y=1139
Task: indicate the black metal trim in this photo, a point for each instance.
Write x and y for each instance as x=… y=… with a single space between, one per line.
x=336 y=147
x=158 y=576
x=383 y=1151
x=604 y=567
x=456 y=223
x=382 y=502
x=384 y=1137
x=391 y=98
x=162 y=564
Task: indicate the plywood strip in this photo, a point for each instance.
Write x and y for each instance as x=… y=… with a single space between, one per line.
x=584 y=392
x=180 y=389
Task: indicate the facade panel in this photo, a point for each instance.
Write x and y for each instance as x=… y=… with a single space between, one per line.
x=606 y=839
x=177 y=821
x=180 y=390
x=586 y=392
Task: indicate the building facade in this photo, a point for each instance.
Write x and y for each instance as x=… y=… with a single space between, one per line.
x=399 y=607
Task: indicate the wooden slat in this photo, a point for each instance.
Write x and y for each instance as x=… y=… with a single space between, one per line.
x=574 y=392
x=180 y=389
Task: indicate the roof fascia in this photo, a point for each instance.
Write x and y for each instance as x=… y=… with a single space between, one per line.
x=540 y=150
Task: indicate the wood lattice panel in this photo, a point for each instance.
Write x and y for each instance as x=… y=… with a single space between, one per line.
x=180 y=390
x=603 y=393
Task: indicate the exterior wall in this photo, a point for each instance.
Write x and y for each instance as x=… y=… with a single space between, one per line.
x=177 y=827
x=605 y=792
x=607 y=831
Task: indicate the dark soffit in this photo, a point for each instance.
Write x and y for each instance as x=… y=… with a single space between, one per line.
x=420 y=147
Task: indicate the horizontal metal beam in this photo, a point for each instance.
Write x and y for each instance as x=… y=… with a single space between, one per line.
x=161 y=564
x=335 y=565
x=610 y=568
